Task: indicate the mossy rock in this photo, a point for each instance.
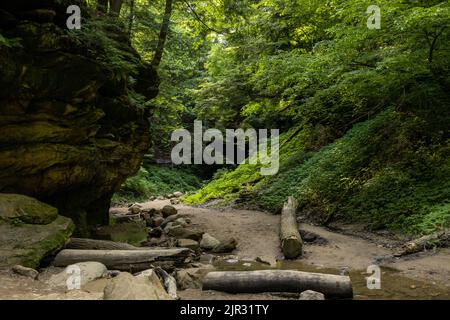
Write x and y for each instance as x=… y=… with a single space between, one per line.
x=28 y=244
x=16 y=207
x=131 y=232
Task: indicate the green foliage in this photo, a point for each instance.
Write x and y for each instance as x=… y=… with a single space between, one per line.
x=156 y=180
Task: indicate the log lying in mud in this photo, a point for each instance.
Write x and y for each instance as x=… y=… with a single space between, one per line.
x=332 y=286
x=91 y=244
x=126 y=260
x=435 y=239
x=291 y=241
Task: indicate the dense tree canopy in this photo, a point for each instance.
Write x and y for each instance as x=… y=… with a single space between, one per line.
x=364 y=112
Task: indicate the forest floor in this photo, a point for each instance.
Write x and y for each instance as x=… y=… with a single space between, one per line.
x=424 y=275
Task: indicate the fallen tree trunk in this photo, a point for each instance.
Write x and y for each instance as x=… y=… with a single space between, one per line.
x=332 y=286
x=436 y=239
x=91 y=244
x=291 y=241
x=126 y=260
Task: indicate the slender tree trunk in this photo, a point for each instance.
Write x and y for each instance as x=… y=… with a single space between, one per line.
x=116 y=6
x=131 y=19
x=163 y=34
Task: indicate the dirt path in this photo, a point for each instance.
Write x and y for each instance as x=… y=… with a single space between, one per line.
x=257 y=236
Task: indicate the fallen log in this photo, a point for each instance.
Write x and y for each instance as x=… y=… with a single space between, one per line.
x=91 y=244
x=126 y=260
x=436 y=239
x=332 y=286
x=291 y=241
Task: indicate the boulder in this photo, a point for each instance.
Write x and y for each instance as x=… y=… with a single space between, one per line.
x=188 y=243
x=311 y=295
x=158 y=221
x=168 y=211
x=89 y=271
x=26 y=272
x=225 y=246
x=135 y=209
x=17 y=207
x=184 y=233
x=145 y=286
x=26 y=244
x=208 y=242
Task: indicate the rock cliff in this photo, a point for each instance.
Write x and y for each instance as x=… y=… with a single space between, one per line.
x=72 y=125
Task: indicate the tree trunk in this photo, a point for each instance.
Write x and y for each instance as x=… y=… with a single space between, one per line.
x=163 y=34
x=115 y=7
x=126 y=260
x=90 y=244
x=291 y=241
x=332 y=286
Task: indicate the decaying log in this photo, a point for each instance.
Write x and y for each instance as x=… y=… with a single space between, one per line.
x=332 y=286
x=291 y=241
x=91 y=244
x=436 y=239
x=126 y=260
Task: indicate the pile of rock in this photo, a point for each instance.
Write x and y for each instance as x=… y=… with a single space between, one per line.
x=168 y=228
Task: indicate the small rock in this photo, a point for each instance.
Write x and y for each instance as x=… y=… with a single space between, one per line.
x=168 y=211
x=247 y=264
x=135 y=209
x=178 y=194
x=158 y=221
x=145 y=286
x=191 y=278
x=207 y=258
x=160 y=198
x=170 y=219
x=180 y=222
x=225 y=246
x=412 y=286
x=311 y=295
x=152 y=198
x=188 y=243
x=155 y=232
x=24 y=271
x=174 y=201
x=170 y=195
x=208 y=242
x=89 y=271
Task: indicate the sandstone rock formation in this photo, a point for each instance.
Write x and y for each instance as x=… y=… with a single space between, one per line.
x=69 y=132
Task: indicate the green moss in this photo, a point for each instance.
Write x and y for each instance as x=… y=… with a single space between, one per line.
x=26 y=209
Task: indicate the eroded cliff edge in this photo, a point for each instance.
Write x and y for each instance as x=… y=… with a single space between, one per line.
x=72 y=127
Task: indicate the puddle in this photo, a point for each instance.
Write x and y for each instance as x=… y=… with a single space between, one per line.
x=393 y=285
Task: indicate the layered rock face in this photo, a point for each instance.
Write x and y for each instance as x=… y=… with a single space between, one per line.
x=70 y=133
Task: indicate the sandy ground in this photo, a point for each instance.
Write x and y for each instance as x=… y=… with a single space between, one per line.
x=257 y=236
